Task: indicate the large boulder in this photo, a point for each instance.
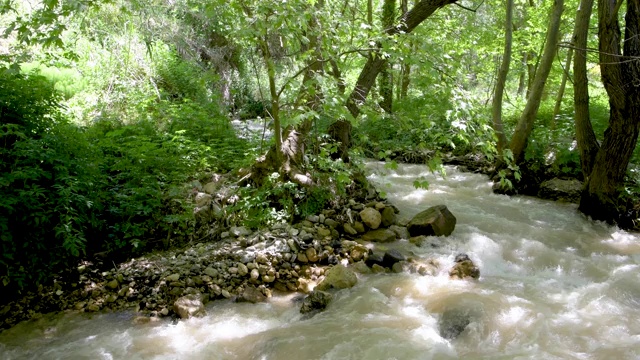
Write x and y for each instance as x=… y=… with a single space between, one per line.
x=371 y=217
x=316 y=300
x=464 y=268
x=436 y=220
x=380 y=235
x=188 y=306
x=338 y=277
x=561 y=190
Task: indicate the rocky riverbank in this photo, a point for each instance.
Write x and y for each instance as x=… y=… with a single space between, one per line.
x=241 y=264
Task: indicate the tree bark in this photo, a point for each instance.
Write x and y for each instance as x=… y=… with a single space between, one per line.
x=386 y=78
x=524 y=128
x=620 y=72
x=586 y=138
x=375 y=63
x=502 y=79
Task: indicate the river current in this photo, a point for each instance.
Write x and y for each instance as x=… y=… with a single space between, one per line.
x=553 y=285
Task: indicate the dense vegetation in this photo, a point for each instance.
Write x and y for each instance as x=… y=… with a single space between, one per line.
x=112 y=112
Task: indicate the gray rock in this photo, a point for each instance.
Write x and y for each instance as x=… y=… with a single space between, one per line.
x=313 y=218
x=338 y=277
x=380 y=235
x=388 y=217
x=375 y=258
x=188 y=306
x=453 y=322
x=561 y=190
x=401 y=231
x=348 y=229
x=252 y=295
x=436 y=220
x=371 y=217
x=242 y=269
x=238 y=231
x=391 y=257
x=464 y=268
x=331 y=223
x=317 y=300
x=173 y=277
x=211 y=272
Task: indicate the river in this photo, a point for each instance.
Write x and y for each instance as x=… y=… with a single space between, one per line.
x=553 y=285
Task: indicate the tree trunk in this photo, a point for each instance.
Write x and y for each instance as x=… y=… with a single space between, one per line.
x=620 y=71
x=407 y=22
x=524 y=128
x=275 y=101
x=563 y=84
x=386 y=78
x=502 y=79
x=587 y=143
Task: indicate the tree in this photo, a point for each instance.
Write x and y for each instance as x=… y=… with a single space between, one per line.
x=386 y=80
x=376 y=62
x=524 y=127
x=502 y=79
x=620 y=72
x=586 y=138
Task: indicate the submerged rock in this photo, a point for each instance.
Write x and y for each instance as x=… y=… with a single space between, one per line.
x=436 y=220
x=316 y=300
x=188 y=306
x=338 y=277
x=464 y=268
x=453 y=322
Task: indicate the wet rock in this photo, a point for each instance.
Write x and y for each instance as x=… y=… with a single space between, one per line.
x=361 y=267
x=338 y=277
x=252 y=295
x=453 y=322
x=388 y=217
x=561 y=190
x=391 y=257
x=464 y=268
x=371 y=217
x=226 y=293
x=401 y=231
x=375 y=258
x=358 y=252
x=380 y=235
x=317 y=300
x=436 y=220
x=418 y=240
x=359 y=226
x=188 y=306
x=348 y=229
x=398 y=267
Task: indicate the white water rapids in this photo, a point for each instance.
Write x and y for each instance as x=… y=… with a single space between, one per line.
x=553 y=285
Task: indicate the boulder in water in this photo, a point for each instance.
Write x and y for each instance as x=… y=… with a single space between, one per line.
x=388 y=216
x=380 y=235
x=252 y=295
x=338 y=277
x=391 y=257
x=316 y=300
x=436 y=220
x=561 y=190
x=188 y=306
x=464 y=268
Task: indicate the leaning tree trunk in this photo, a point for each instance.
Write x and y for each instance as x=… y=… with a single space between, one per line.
x=620 y=71
x=563 y=84
x=524 y=128
x=375 y=63
x=586 y=138
x=502 y=79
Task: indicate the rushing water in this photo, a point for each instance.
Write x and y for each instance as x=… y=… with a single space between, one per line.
x=553 y=285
